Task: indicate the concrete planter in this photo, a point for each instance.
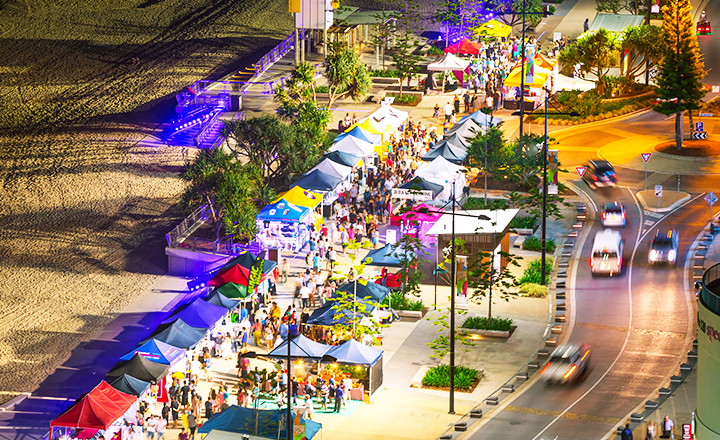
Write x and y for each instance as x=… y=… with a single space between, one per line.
x=411 y=314
x=385 y=81
x=475 y=334
x=520 y=231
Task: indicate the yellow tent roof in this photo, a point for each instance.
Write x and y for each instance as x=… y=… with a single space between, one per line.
x=493 y=28
x=301 y=197
x=539 y=78
x=372 y=126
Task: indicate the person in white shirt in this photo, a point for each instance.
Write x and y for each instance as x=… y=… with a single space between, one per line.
x=448 y=111
x=305 y=295
x=160 y=427
x=150 y=427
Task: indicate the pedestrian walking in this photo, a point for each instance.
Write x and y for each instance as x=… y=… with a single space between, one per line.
x=626 y=434
x=650 y=431
x=192 y=424
x=586 y=25
x=285 y=270
x=466 y=101
x=456 y=104
x=339 y=398
x=308 y=407
x=448 y=111
x=667 y=428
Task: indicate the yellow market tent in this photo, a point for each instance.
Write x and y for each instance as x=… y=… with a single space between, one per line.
x=492 y=28
x=539 y=78
x=301 y=197
x=371 y=125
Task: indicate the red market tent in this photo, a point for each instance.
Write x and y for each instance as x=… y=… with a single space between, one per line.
x=98 y=409
x=464 y=46
x=235 y=274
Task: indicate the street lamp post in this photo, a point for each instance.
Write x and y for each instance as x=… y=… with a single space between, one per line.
x=452 y=307
x=522 y=72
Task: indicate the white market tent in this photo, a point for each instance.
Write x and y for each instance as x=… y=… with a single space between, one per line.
x=448 y=62
x=353 y=145
x=332 y=168
x=469 y=223
x=445 y=173
x=389 y=116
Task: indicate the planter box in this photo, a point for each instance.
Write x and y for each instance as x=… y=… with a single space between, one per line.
x=411 y=314
x=386 y=81
x=488 y=333
x=520 y=231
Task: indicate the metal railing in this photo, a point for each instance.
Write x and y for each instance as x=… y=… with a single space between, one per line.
x=212 y=246
x=190 y=224
x=710 y=292
x=276 y=53
x=208 y=126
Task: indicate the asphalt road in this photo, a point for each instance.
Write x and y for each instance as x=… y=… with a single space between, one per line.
x=636 y=324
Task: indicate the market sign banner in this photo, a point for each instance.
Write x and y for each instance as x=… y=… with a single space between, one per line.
x=411 y=194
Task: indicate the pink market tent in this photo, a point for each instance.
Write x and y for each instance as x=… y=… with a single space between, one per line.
x=417 y=221
x=415 y=214
x=98 y=409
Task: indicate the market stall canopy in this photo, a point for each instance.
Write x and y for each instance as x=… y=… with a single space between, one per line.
x=343 y=158
x=246 y=260
x=390 y=116
x=469 y=223
x=365 y=289
x=464 y=46
x=219 y=299
x=301 y=197
x=440 y=169
x=243 y=421
x=539 y=79
x=236 y=274
x=466 y=128
x=541 y=61
x=157 y=351
x=492 y=28
x=318 y=181
x=374 y=126
x=327 y=166
x=420 y=184
x=359 y=133
x=130 y=385
x=384 y=256
x=327 y=315
x=199 y=313
x=180 y=334
x=232 y=291
x=300 y=348
x=216 y=434
x=448 y=62
x=352 y=352
x=140 y=368
x=98 y=409
x=480 y=118
x=445 y=149
x=283 y=211
x=353 y=145
x=422 y=213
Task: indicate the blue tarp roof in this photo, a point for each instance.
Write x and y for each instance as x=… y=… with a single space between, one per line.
x=452 y=153
x=360 y=133
x=420 y=184
x=326 y=315
x=385 y=256
x=221 y=300
x=317 y=181
x=300 y=347
x=199 y=314
x=283 y=211
x=157 y=351
x=354 y=353
x=130 y=385
x=343 y=158
x=180 y=334
x=366 y=289
x=243 y=421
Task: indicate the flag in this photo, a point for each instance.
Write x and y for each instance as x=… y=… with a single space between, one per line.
x=311 y=428
x=529 y=63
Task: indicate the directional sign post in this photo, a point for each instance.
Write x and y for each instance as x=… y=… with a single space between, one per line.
x=581 y=172
x=658 y=194
x=711 y=199
x=646 y=158
x=700 y=126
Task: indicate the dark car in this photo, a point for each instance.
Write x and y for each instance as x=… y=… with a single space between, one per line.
x=600 y=174
x=566 y=363
x=664 y=247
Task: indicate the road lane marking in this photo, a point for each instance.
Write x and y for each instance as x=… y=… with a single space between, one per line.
x=638 y=331
x=568 y=415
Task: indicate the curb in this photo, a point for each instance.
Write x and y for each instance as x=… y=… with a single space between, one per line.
x=604 y=121
x=10 y=404
x=667 y=209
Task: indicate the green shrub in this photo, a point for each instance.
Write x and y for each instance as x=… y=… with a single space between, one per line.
x=532 y=271
x=395 y=301
x=534 y=244
x=523 y=222
x=322 y=89
x=439 y=376
x=404 y=99
x=533 y=290
x=480 y=323
x=435 y=51
x=384 y=73
x=479 y=203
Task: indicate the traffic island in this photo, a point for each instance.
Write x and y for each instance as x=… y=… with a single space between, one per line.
x=690 y=148
x=664 y=202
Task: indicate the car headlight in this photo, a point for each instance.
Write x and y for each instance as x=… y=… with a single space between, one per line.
x=671 y=255
x=653 y=255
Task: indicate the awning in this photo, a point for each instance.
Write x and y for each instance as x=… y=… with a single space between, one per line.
x=301 y=197
x=359 y=133
x=130 y=385
x=539 y=79
x=355 y=146
x=284 y=211
x=243 y=420
x=157 y=351
x=327 y=166
x=352 y=352
x=466 y=128
x=199 y=314
x=480 y=118
x=98 y=409
x=448 y=62
x=420 y=184
x=492 y=28
x=343 y=158
x=445 y=149
x=317 y=181
x=364 y=289
x=219 y=299
x=469 y=223
x=180 y=334
x=384 y=256
x=389 y=116
x=140 y=368
x=300 y=348
x=464 y=46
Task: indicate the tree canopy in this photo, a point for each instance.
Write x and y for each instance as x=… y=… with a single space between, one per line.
x=595 y=52
x=346 y=75
x=642 y=43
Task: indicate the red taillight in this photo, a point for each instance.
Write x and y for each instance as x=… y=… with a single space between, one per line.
x=594 y=178
x=604 y=214
x=592 y=261
x=619 y=261
x=623 y=215
x=570 y=371
x=544 y=368
x=585 y=355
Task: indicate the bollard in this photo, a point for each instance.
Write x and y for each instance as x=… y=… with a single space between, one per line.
x=461 y=426
x=665 y=392
x=685 y=367
x=493 y=400
x=651 y=404
x=508 y=388
x=522 y=376
x=636 y=418
x=476 y=413
x=676 y=379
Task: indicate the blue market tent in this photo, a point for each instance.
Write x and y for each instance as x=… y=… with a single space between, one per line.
x=200 y=314
x=352 y=352
x=467 y=129
x=360 y=133
x=157 y=351
x=482 y=119
x=261 y=422
x=420 y=184
x=366 y=290
x=317 y=181
x=452 y=153
x=221 y=300
x=385 y=256
x=130 y=385
x=343 y=158
x=300 y=348
x=282 y=211
x=326 y=315
x=179 y=334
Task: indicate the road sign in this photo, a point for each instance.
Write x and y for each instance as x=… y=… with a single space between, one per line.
x=699 y=135
x=706 y=115
x=646 y=156
x=711 y=198
x=700 y=126
x=716 y=89
x=580 y=170
x=658 y=191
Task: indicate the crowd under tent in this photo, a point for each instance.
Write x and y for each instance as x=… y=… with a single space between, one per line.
x=343 y=158
x=180 y=334
x=332 y=168
x=493 y=29
x=130 y=385
x=452 y=153
x=318 y=181
x=352 y=352
x=449 y=63
x=360 y=133
x=140 y=368
x=541 y=78
x=263 y=422
x=301 y=197
x=480 y=118
x=355 y=146
x=444 y=173
x=466 y=128
x=417 y=221
x=200 y=314
x=284 y=225
x=217 y=298
x=103 y=408
x=429 y=190
x=157 y=351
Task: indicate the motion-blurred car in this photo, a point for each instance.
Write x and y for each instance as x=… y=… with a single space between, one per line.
x=703 y=26
x=613 y=214
x=607 y=253
x=599 y=174
x=664 y=247
x=566 y=363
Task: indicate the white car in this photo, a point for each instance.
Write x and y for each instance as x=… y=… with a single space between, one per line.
x=613 y=215
x=664 y=248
